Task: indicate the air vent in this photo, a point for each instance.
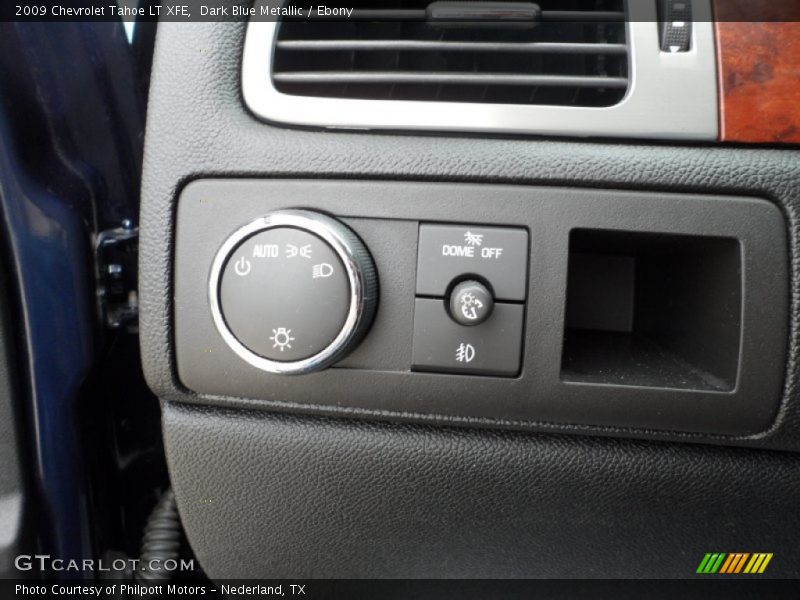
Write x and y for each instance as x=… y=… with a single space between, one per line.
x=562 y=53
x=555 y=67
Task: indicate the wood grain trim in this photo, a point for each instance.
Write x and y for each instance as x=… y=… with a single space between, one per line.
x=759 y=73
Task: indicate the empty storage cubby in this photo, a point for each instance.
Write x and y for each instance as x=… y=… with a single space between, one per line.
x=653 y=310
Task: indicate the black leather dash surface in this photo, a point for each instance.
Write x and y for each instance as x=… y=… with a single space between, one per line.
x=263 y=495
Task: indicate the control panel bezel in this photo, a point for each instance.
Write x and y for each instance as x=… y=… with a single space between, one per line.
x=377 y=380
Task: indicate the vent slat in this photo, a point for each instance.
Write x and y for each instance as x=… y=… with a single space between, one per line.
x=444 y=46
x=583 y=16
x=421 y=15
x=389 y=14
x=395 y=77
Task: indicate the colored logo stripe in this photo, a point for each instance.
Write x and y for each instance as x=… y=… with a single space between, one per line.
x=710 y=563
x=758 y=563
x=734 y=563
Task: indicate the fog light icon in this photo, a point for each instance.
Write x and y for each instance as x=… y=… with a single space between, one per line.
x=465 y=353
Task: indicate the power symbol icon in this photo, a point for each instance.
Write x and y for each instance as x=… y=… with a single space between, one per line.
x=242 y=267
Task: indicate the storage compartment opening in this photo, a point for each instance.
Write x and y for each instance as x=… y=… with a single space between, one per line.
x=652 y=310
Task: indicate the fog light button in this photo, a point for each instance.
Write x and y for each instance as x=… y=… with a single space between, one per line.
x=443 y=346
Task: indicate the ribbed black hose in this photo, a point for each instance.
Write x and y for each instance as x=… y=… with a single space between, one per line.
x=161 y=540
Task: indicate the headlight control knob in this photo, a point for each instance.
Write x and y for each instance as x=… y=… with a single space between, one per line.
x=293 y=292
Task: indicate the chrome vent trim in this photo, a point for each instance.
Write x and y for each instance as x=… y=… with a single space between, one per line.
x=669 y=96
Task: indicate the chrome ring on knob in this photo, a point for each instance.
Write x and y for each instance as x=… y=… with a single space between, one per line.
x=326 y=229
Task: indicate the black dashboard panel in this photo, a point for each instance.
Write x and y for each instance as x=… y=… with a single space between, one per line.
x=265 y=495
x=603 y=378
x=261 y=493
